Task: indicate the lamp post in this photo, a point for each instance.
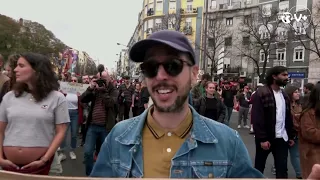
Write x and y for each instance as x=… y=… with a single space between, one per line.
x=204 y=62
x=119 y=44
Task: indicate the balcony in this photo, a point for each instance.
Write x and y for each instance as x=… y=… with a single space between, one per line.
x=280 y=63
x=226 y=6
x=238 y=4
x=150 y=12
x=188 y=10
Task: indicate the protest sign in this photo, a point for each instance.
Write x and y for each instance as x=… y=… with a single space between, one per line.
x=70 y=87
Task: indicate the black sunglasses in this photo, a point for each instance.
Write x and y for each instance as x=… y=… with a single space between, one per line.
x=173 y=67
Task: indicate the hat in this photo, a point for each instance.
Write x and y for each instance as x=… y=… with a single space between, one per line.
x=170 y=38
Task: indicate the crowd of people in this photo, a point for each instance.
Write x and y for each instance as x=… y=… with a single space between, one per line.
x=180 y=126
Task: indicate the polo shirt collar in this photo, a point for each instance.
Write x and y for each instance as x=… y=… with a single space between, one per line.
x=182 y=130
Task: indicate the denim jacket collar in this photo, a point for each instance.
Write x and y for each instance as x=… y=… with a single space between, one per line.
x=133 y=134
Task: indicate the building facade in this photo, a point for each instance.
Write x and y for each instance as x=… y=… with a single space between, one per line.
x=314 y=65
x=134 y=71
x=224 y=38
x=286 y=48
x=289 y=52
x=179 y=15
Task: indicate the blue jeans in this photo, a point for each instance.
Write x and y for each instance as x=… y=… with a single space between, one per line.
x=73 y=125
x=229 y=113
x=295 y=158
x=94 y=132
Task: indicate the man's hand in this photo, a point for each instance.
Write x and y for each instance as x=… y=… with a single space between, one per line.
x=315 y=172
x=93 y=84
x=291 y=143
x=265 y=145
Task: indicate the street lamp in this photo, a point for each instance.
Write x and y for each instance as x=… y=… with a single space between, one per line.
x=119 y=44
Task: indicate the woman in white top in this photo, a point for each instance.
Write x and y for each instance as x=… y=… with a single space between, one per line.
x=72 y=100
x=33 y=117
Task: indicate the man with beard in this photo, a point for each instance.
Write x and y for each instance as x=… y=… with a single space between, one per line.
x=273 y=125
x=170 y=139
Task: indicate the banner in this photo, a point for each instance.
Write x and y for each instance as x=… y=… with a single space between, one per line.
x=70 y=87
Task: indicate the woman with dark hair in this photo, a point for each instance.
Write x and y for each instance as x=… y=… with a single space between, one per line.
x=294 y=97
x=309 y=133
x=33 y=117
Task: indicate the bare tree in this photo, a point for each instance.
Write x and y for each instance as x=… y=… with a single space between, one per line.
x=259 y=31
x=307 y=31
x=170 y=21
x=216 y=34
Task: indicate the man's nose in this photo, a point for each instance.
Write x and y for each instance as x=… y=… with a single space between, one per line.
x=162 y=74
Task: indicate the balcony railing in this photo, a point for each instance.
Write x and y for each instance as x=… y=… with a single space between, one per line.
x=227 y=6
x=280 y=63
x=188 y=10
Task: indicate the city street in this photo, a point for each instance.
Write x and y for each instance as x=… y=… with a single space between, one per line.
x=76 y=167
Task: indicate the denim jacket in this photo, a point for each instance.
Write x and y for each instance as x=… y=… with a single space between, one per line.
x=211 y=150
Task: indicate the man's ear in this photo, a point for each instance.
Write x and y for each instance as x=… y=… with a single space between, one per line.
x=194 y=74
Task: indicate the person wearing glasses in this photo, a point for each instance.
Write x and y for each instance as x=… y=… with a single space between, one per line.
x=73 y=107
x=170 y=139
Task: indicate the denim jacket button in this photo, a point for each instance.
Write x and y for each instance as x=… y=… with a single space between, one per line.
x=210 y=175
x=134 y=150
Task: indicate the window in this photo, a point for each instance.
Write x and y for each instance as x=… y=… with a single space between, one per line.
x=171 y=23
x=213 y=4
x=301 y=5
x=245 y=40
x=247 y=2
x=211 y=22
x=158 y=23
x=172 y=5
x=189 y=6
x=188 y=22
x=298 y=53
x=281 y=54
x=145 y=27
x=262 y=56
x=266 y=10
x=211 y=42
x=228 y=41
x=246 y=19
x=150 y=23
x=229 y=21
x=229 y=2
x=299 y=27
x=159 y=6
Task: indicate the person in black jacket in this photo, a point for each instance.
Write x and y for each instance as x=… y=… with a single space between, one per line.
x=102 y=115
x=273 y=124
x=210 y=106
x=144 y=98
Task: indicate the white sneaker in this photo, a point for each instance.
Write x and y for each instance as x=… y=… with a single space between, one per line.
x=239 y=126
x=73 y=156
x=62 y=157
x=247 y=127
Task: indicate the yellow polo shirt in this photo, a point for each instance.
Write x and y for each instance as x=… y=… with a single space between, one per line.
x=160 y=145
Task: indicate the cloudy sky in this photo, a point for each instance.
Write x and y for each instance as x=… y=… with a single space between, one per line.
x=92 y=26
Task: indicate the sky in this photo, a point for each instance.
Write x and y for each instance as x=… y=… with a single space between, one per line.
x=93 y=26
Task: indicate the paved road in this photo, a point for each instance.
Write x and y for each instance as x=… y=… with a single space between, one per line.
x=76 y=167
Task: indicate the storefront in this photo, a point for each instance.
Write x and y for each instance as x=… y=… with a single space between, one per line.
x=297 y=78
